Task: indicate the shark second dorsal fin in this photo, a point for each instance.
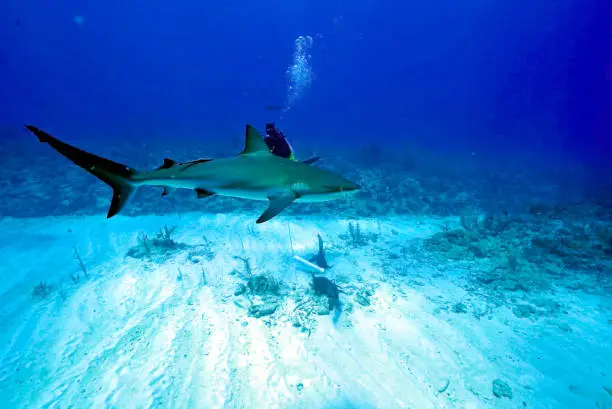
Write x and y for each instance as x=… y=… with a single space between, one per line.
x=168 y=163
x=254 y=143
x=203 y=193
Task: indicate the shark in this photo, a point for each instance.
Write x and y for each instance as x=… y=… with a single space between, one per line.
x=254 y=174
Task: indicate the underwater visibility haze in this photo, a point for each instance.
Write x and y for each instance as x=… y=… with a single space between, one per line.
x=368 y=204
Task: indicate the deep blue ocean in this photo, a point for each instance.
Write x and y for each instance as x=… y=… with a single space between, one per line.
x=468 y=244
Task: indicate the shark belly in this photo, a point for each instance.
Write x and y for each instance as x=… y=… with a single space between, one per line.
x=222 y=187
x=240 y=193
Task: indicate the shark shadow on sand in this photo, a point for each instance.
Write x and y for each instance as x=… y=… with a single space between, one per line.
x=324 y=286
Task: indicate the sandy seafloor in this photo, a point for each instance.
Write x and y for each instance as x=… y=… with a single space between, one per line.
x=136 y=333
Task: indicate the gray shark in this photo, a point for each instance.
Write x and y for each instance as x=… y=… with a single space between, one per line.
x=255 y=174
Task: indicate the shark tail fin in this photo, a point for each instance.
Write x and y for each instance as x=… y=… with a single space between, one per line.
x=122 y=193
x=116 y=175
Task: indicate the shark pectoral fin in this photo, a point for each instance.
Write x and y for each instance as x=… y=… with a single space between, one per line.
x=277 y=205
x=203 y=193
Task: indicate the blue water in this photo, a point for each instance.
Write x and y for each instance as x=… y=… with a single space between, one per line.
x=480 y=134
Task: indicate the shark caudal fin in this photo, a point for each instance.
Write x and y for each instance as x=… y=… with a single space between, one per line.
x=114 y=174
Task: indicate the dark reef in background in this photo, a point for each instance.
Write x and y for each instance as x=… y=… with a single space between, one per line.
x=452 y=78
x=399 y=182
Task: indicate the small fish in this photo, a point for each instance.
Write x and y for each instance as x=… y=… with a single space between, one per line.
x=273 y=107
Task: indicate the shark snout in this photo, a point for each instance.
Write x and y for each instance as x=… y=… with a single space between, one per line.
x=348 y=186
x=351 y=187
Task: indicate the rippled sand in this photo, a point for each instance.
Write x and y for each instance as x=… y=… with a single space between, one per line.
x=133 y=335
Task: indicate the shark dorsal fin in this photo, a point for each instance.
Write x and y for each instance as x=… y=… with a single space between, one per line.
x=254 y=143
x=168 y=163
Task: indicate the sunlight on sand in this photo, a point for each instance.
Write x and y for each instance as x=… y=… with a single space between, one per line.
x=170 y=331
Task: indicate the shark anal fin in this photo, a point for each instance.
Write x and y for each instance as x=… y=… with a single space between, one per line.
x=168 y=163
x=254 y=143
x=167 y=190
x=277 y=204
x=203 y=193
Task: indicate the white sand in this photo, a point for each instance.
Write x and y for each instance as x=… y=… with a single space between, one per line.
x=133 y=336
